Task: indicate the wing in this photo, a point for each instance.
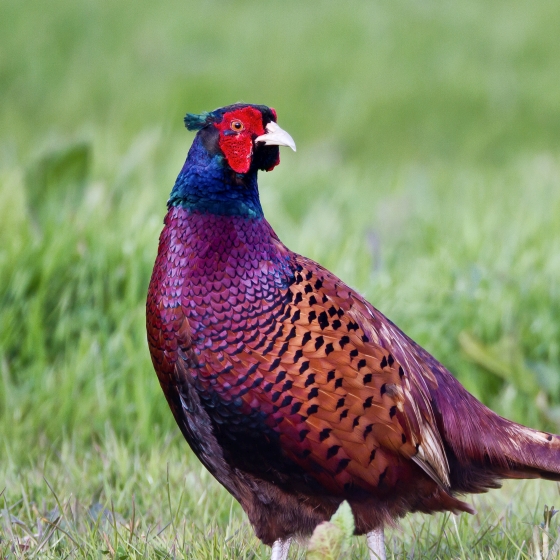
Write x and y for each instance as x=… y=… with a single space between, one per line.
x=328 y=378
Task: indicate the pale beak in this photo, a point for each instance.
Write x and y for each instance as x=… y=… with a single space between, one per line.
x=275 y=136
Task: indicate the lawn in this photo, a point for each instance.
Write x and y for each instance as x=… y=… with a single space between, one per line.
x=427 y=176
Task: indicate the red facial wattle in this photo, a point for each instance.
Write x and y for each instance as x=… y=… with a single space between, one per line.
x=237 y=145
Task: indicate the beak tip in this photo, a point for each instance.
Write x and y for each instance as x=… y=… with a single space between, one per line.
x=275 y=136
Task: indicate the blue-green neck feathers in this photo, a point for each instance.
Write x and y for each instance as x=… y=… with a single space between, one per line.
x=207 y=184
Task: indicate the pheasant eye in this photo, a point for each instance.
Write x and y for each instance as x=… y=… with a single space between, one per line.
x=237 y=126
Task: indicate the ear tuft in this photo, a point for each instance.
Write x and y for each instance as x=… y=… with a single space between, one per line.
x=197 y=122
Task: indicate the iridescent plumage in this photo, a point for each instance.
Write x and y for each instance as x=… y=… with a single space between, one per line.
x=294 y=391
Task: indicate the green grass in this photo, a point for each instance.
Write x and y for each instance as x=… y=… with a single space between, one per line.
x=427 y=176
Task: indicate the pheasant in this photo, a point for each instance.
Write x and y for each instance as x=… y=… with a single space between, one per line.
x=293 y=390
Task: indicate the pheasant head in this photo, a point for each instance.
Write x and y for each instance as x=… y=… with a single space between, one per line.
x=232 y=144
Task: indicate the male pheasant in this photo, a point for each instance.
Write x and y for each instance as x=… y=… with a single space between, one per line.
x=294 y=391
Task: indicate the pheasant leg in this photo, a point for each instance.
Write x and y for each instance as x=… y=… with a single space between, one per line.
x=376 y=544
x=280 y=549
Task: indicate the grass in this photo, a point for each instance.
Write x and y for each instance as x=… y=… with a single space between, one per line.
x=427 y=176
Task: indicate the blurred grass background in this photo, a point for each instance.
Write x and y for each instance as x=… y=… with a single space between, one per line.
x=427 y=176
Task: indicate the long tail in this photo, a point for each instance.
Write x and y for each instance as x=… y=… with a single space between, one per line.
x=485 y=447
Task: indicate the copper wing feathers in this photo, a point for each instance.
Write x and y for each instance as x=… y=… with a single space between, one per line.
x=323 y=374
